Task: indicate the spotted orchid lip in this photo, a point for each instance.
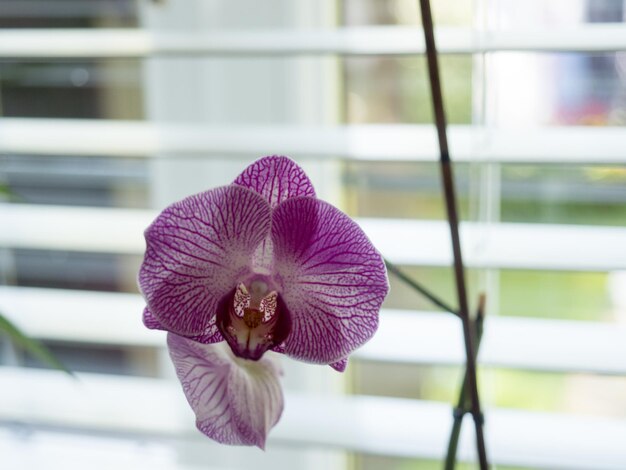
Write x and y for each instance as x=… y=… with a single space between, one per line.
x=263 y=265
x=252 y=326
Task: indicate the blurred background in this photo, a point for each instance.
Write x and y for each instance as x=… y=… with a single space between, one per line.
x=112 y=109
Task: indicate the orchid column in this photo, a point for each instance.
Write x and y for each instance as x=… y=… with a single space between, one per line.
x=204 y=92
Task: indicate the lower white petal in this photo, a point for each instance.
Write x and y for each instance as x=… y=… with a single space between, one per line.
x=236 y=401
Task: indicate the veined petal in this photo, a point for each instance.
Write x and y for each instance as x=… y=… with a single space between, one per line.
x=333 y=279
x=196 y=251
x=235 y=401
x=211 y=333
x=150 y=320
x=341 y=365
x=276 y=178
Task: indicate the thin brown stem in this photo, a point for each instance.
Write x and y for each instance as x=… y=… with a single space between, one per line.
x=453 y=221
x=392 y=268
x=463 y=405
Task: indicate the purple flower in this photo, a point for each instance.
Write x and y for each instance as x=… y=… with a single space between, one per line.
x=266 y=266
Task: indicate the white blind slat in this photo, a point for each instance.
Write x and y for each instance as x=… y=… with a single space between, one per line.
x=37 y=449
x=79 y=316
x=567 y=145
x=88 y=229
x=372 y=40
x=509 y=342
x=77 y=137
x=501 y=245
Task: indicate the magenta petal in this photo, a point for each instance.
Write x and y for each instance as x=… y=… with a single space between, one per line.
x=235 y=401
x=340 y=366
x=276 y=178
x=197 y=249
x=333 y=280
x=150 y=321
x=211 y=333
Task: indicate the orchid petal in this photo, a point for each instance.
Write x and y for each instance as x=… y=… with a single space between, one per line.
x=150 y=320
x=341 y=365
x=211 y=333
x=235 y=401
x=276 y=178
x=333 y=280
x=196 y=251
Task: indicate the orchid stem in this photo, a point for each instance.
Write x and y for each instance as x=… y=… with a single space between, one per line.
x=418 y=287
x=463 y=405
x=453 y=221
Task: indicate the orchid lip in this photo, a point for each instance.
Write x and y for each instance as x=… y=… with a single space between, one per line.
x=253 y=319
x=235 y=401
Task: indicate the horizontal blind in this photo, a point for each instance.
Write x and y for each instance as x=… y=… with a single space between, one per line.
x=360 y=423
x=126 y=405
x=348 y=41
x=364 y=142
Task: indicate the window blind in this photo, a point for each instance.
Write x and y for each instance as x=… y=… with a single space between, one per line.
x=110 y=405
x=348 y=41
x=358 y=142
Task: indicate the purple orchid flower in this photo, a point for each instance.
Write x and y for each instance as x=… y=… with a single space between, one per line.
x=259 y=265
